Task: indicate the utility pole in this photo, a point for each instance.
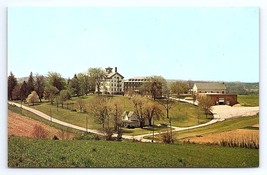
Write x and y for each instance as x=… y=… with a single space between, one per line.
x=153 y=130
x=50 y=114
x=21 y=106
x=87 y=122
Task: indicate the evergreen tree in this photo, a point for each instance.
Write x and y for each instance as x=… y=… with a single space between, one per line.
x=74 y=86
x=23 y=91
x=12 y=82
x=30 y=84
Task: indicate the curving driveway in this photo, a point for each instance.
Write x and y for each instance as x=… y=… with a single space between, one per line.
x=220 y=113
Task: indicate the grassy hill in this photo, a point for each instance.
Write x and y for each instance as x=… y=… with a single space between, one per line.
x=28 y=152
x=182 y=114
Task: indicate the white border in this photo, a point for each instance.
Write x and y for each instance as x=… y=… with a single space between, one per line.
x=147 y=3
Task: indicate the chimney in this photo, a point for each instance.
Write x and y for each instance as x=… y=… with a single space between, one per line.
x=116 y=69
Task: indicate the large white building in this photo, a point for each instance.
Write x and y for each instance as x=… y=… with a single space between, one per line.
x=113 y=82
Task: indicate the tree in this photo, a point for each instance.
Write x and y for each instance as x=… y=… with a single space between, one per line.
x=32 y=98
x=40 y=86
x=151 y=110
x=30 y=84
x=167 y=104
x=99 y=109
x=75 y=86
x=55 y=79
x=23 y=91
x=50 y=93
x=64 y=96
x=139 y=103
x=115 y=108
x=81 y=105
x=205 y=103
x=12 y=82
x=84 y=81
x=97 y=75
x=155 y=87
x=16 y=92
x=179 y=87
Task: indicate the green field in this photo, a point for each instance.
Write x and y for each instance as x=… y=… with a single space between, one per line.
x=248 y=100
x=28 y=152
x=227 y=125
x=182 y=114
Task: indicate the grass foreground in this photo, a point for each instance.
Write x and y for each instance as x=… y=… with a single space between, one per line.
x=41 y=153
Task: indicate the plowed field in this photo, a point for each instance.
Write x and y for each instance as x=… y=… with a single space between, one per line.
x=19 y=125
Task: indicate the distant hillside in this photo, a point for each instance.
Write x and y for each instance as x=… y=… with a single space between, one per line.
x=232 y=87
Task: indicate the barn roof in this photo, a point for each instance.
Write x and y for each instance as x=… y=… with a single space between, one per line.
x=210 y=86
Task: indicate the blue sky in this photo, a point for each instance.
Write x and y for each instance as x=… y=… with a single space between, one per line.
x=219 y=44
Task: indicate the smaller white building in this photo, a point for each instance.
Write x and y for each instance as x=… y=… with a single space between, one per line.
x=130 y=119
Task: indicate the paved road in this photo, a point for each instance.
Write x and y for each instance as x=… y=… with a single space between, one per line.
x=47 y=117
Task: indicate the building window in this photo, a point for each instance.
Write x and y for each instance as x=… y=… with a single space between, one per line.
x=223 y=92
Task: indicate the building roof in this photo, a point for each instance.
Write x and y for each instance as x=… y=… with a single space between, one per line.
x=114 y=73
x=210 y=86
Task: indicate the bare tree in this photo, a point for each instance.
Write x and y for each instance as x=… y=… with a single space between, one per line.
x=139 y=103
x=99 y=109
x=116 y=110
x=81 y=105
x=205 y=103
x=167 y=104
x=154 y=87
x=152 y=110
x=179 y=87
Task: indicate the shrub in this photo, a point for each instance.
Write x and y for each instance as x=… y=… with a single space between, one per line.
x=108 y=133
x=87 y=136
x=39 y=132
x=166 y=137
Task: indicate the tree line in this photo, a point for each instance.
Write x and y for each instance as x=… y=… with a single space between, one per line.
x=53 y=86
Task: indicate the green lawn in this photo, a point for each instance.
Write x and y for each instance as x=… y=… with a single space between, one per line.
x=248 y=100
x=182 y=114
x=28 y=152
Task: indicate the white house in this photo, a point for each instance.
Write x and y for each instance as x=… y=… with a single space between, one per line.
x=113 y=82
x=130 y=119
x=211 y=87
